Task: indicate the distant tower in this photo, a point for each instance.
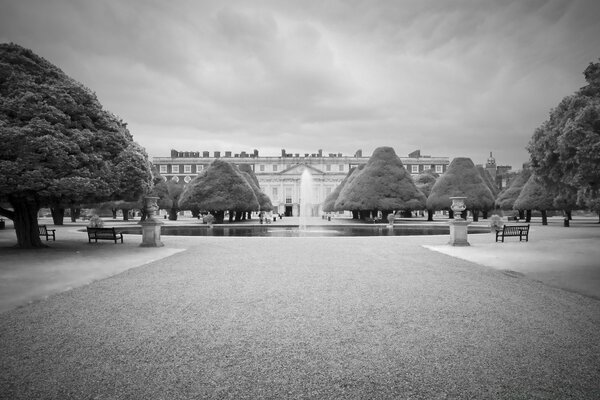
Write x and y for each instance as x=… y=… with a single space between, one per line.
x=490 y=165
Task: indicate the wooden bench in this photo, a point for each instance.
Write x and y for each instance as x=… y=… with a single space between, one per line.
x=522 y=231
x=103 y=234
x=44 y=231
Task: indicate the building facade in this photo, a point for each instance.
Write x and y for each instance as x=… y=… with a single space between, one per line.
x=280 y=176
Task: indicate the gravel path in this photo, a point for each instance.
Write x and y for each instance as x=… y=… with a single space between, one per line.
x=249 y=318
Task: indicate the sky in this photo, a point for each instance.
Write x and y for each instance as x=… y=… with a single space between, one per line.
x=451 y=78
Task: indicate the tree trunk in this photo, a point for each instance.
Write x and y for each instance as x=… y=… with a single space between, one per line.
x=450 y=214
x=231 y=215
x=430 y=215
x=364 y=215
x=249 y=216
x=195 y=212
x=544 y=217
x=114 y=212
x=485 y=214
x=75 y=213
x=26 y=224
x=219 y=216
x=238 y=215
x=475 y=215
x=521 y=214
x=125 y=212
x=356 y=214
x=464 y=215
x=172 y=214
x=58 y=215
x=528 y=216
x=569 y=215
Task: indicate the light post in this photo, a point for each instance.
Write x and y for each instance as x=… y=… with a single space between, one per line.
x=458 y=226
x=151 y=226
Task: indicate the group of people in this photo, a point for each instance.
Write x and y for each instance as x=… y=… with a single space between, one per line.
x=267 y=217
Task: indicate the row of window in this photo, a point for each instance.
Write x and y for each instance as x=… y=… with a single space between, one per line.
x=187 y=169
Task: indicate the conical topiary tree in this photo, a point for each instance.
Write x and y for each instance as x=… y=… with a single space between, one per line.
x=382 y=185
x=535 y=196
x=461 y=179
x=328 y=204
x=221 y=187
x=264 y=201
x=506 y=198
x=424 y=182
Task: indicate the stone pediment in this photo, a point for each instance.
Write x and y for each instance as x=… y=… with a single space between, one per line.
x=298 y=169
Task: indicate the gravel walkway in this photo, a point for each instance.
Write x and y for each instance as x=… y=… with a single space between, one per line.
x=276 y=318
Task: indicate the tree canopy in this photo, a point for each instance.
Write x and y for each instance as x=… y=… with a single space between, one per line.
x=506 y=198
x=535 y=195
x=59 y=146
x=565 y=149
x=220 y=187
x=461 y=179
x=328 y=204
x=489 y=181
x=383 y=184
x=263 y=200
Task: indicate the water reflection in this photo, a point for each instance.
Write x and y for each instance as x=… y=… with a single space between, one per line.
x=317 y=231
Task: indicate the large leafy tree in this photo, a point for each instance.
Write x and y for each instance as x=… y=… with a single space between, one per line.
x=535 y=195
x=382 y=185
x=221 y=187
x=565 y=149
x=461 y=179
x=506 y=198
x=59 y=146
x=424 y=182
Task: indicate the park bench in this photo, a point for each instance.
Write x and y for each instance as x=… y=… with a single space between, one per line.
x=44 y=231
x=522 y=231
x=103 y=234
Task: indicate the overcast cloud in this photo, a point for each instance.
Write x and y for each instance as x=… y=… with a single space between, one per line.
x=452 y=78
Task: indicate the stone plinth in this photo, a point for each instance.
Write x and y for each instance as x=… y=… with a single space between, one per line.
x=458 y=233
x=151 y=233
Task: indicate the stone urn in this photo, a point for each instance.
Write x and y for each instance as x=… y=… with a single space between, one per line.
x=458 y=206
x=458 y=226
x=151 y=226
x=150 y=206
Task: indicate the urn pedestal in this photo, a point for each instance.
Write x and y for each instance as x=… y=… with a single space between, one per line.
x=458 y=226
x=151 y=226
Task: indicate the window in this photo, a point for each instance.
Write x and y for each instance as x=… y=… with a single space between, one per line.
x=274 y=167
x=187 y=169
x=328 y=168
x=261 y=168
x=175 y=179
x=288 y=195
x=187 y=179
x=175 y=169
x=439 y=169
x=163 y=169
x=275 y=194
x=327 y=190
x=414 y=169
x=341 y=167
x=199 y=167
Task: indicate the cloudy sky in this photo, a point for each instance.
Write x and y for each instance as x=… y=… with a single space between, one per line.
x=452 y=78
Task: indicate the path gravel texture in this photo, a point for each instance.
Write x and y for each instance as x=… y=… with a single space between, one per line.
x=304 y=318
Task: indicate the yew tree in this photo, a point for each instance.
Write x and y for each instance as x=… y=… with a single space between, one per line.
x=461 y=179
x=264 y=201
x=506 y=198
x=424 y=182
x=382 y=185
x=59 y=146
x=220 y=187
x=535 y=195
x=328 y=204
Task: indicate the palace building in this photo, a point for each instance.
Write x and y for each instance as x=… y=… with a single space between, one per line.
x=279 y=176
